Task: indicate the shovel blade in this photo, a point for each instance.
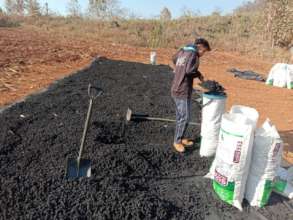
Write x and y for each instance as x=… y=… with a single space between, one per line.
x=75 y=172
x=130 y=116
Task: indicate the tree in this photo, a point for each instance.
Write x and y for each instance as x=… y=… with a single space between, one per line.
x=19 y=7
x=33 y=7
x=188 y=13
x=216 y=12
x=251 y=6
x=165 y=14
x=15 y=7
x=46 y=9
x=103 y=9
x=279 y=16
x=74 y=8
x=276 y=17
x=10 y=6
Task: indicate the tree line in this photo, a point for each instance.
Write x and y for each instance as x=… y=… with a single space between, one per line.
x=277 y=15
x=96 y=8
x=23 y=7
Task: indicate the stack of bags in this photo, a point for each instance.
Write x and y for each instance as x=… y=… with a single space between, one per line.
x=247 y=160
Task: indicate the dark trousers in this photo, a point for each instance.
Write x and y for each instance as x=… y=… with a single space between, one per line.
x=183 y=109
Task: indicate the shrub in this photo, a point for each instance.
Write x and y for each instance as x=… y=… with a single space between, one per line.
x=6 y=21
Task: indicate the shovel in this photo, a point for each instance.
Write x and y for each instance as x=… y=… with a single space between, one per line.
x=130 y=116
x=81 y=167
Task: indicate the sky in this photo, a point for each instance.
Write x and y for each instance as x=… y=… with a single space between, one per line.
x=151 y=8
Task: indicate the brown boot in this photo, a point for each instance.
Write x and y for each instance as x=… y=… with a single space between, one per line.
x=179 y=147
x=187 y=143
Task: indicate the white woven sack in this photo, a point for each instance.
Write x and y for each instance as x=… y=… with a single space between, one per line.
x=212 y=113
x=231 y=165
x=266 y=158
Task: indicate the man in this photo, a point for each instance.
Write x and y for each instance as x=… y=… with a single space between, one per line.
x=187 y=63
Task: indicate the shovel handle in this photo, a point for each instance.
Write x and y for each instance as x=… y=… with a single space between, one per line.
x=86 y=125
x=92 y=97
x=94 y=92
x=163 y=120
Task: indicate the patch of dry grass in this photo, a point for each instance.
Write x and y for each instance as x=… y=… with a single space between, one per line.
x=6 y=21
x=242 y=33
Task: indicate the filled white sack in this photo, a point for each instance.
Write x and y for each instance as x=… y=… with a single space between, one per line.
x=283 y=183
x=286 y=174
x=231 y=165
x=251 y=113
x=281 y=75
x=266 y=158
x=214 y=108
x=290 y=77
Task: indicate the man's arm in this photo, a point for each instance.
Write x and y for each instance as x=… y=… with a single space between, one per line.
x=192 y=67
x=196 y=84
x=175 y=56
x=200 y=76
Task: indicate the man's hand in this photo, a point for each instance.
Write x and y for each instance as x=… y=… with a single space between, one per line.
x=200 y=88
x=196 y=85
x=173 y=67
x=201 y=78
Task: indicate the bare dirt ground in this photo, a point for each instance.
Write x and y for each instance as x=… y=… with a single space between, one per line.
x=30 y=60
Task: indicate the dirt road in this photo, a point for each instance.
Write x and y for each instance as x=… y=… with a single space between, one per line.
x=30 y=60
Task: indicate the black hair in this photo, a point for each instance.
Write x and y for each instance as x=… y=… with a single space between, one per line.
x=203 y=42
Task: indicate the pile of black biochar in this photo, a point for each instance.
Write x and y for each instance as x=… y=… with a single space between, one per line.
x=135 y=172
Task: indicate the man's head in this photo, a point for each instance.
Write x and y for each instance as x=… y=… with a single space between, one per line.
x=203 y=46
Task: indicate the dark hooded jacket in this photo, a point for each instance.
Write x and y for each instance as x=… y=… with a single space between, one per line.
x=187 y=63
